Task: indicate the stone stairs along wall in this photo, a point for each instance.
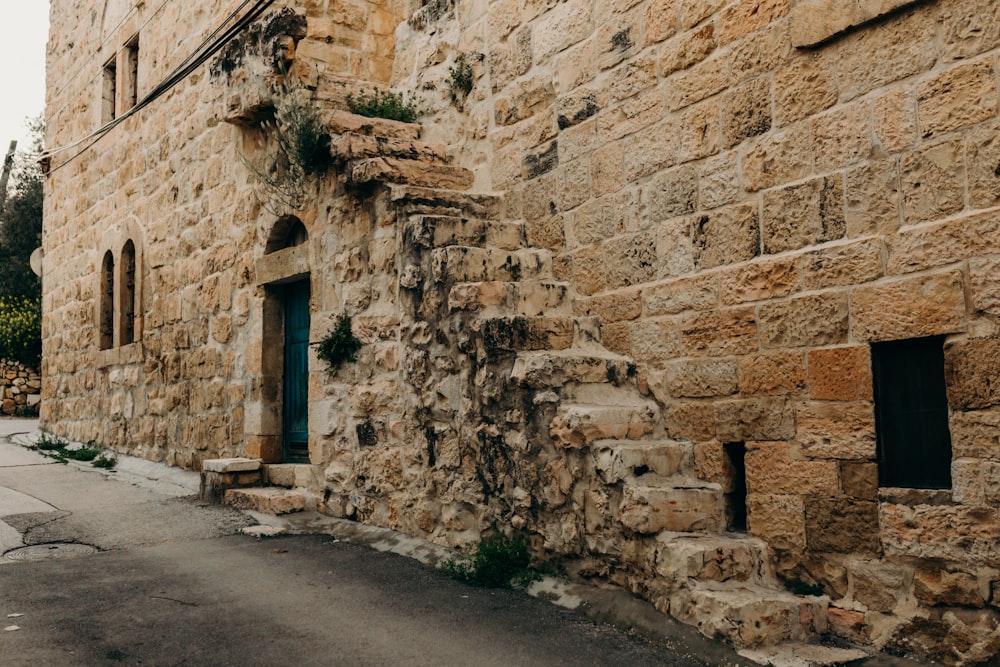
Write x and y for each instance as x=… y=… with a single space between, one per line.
x=515 y=414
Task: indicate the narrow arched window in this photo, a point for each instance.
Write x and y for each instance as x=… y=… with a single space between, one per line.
x=127 y=295
x=287 y=232
x=106 y=323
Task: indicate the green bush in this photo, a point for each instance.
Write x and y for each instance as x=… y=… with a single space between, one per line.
x=385 y=104
x=338 y=345
x=498 y=562
x=21 y=330
x=460 y=78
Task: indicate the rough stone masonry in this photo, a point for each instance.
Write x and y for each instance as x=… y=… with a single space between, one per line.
x=700 y=295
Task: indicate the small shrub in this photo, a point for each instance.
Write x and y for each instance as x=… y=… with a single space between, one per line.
x=460 y=78
x=339 y=344
x=105 y=460
x=27 y=411
x=49 y=443
x=384 y=104
x=498 y=562
x=21 y=329
x=87 y=452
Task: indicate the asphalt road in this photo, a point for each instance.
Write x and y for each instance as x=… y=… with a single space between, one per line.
x=173 y=583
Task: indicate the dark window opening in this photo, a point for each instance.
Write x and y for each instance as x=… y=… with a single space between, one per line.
x=131 y=65
x=288 y=232
x=106 y=325
x=127 y=292
x=911 y=414
x=736 y=499
x=109 y=92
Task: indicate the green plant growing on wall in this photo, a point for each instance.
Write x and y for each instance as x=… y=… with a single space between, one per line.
x=498 y=562
x=299 y=149
x=384 y=104
x=460 y=79
x=338 y=345
x=21 y=329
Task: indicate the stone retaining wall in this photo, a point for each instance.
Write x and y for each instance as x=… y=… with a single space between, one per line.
x=20 y=387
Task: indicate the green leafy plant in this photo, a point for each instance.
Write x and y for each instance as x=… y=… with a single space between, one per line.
x=106 y=461
x=339 y=344
x=87 y=452
x=21 y=329
x=27 y=411
x=49 y=442
x=460 y=78
x=384 y=104
x=299 y=149
x=499 y=562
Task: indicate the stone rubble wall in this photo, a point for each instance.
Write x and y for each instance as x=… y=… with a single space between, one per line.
x=680 y=230
x=20 y=387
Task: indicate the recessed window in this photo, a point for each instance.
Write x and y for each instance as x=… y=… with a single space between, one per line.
x=911 y=414
x=736 y=498
x=127 y=294
x=130 y=63
x=106 y=324
x=109 y=91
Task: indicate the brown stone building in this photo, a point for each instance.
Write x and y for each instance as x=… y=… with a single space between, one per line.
x=702 y=295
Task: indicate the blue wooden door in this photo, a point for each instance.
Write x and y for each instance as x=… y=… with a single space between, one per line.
x=295 y=406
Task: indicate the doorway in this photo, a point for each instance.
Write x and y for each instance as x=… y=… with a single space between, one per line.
x=295 y=383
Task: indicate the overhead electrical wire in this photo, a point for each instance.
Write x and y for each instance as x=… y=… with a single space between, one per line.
x=211 y=45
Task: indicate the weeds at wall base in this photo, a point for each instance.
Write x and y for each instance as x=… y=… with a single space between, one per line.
x=499 y=562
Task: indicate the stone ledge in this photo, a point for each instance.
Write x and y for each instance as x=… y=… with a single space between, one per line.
x=814 y=22
x=411 y=172
x=344 y=122
x=230 y=465
x=353 y=146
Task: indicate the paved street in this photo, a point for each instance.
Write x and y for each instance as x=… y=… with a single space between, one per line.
x=173 y=583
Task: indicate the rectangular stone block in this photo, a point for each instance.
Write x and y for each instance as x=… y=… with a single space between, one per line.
x=804 y=214
x=911 y=308
x=760 y=280
x=842 y=525
x=971 y=370
x=836 y=430
x=652 y=510
x=816 y=319
x=932 y=181
x=940 y=244
x=772 y=373
x=950 y=532
x=780 y=520
x=726 y=236
x=975 y=434
x=701 y=378
x=840 y=373
x=816 y=21
x=982 y=153
x=842 y=136
x=754 y=419
x=746 y=111
x=777 y=157
x=963 y=95
x=775 y=467
x=720 y=332
x=676 y=296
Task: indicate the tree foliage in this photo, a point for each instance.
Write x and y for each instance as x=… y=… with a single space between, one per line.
x=21 y=222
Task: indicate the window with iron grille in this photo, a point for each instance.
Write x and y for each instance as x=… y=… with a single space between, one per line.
x=911 y=414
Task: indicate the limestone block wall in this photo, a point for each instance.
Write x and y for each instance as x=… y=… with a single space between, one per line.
x=748 y=194
x=20 y=387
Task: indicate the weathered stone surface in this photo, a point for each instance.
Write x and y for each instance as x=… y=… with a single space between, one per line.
x=754 y=419
x=772 y=373
x=410 y=172
x=860 y=480
x=778 y=519
x=802 y=215
x=952 y=589
x=746 y=111
x=776 y=158
x=971 y=370
x=842 y=525
x=726 y=236
x=239 y=464
x=578 y=425
x=343 y=122
x=818 y=319
x=939 y=244
x=676 y=296
x=932 y=181
x=983 y=158
x=651 y=510
x=840 y=265
x=731 y=331
x=710 y=558
x=758 y=281
x=956 y=533
x=840 y=374
x=268 y=500
x=963 y=95
x=837 y=430
x=815 y=21
x=776 y=467
x=804 y=86
x=975 y=434
x=842 y=136
x=872 y=199
x=911 y=308
x=701 y=378
x=878 y=587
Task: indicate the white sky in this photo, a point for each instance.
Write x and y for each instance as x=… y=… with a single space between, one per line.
x=24 y=32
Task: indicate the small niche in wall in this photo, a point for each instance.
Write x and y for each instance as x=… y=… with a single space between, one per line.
x=736 y=498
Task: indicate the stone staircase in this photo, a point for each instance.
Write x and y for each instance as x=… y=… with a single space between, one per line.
x=626 y=498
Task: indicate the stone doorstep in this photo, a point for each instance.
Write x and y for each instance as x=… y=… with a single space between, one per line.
x=302 y=476
x=713 y=558
x=270 y=500
x=230 y=465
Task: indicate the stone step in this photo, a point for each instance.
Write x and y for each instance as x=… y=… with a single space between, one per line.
x=750 y=616
x=680 y=505
x=338 y=121
x=546 y=369
x=355 y=146
x=439 y=231
x=578 y=425
x=413 y=200
x=302 y=476
x=713 y=558
x=270 y=500
x=411 y=172
x=526 y=333
x=532 y=298
x=466 y=264
x=628 y=460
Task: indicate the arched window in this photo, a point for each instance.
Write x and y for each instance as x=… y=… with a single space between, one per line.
x=127 y=295
x=106 y=323
x=288 y=232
